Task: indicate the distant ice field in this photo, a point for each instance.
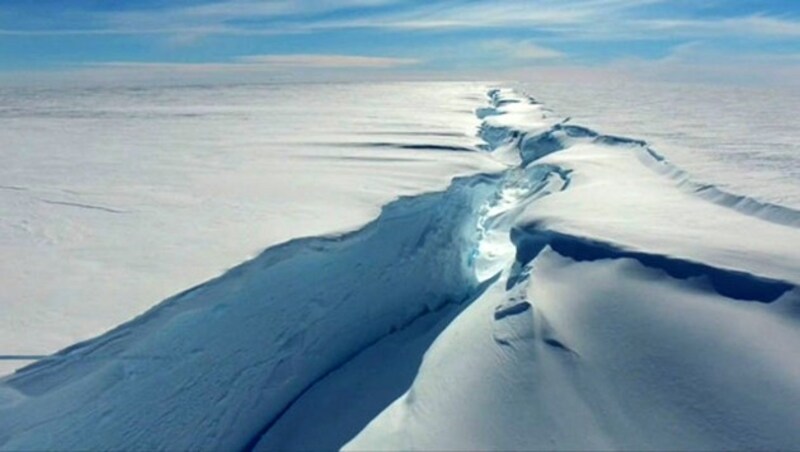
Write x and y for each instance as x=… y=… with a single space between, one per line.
x=743 y=139
x=112 y=199
x=508 y=278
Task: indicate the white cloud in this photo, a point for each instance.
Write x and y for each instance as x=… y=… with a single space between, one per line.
x=561 y=19
x=228 y=16
x=221 y=12
x=250 y=65
x=754 y=25
x=698 y=61
x=244 y=69
x=520 y=50
x=326 y=61
x=444 y=15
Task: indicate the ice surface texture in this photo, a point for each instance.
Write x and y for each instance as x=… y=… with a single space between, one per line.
x=588 y=296
x=113 y=199
x=625 y=318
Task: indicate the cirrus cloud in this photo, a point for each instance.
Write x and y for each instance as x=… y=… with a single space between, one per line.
x=327 y=61
x=520 y=50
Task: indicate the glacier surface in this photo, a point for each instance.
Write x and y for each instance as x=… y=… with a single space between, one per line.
x=567 y=290
x=113 y=199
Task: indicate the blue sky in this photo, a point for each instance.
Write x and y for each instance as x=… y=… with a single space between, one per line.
x=269 y=37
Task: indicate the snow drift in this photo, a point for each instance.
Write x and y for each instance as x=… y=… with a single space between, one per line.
x=589 y=296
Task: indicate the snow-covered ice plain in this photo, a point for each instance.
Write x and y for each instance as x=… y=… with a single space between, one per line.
x=740 y=138
x=446 y=266
x=114 y=199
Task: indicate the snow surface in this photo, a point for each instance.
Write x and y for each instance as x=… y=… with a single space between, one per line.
x=571 y=290
x=114 y=199
x=741 y=138
x=638 y=314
